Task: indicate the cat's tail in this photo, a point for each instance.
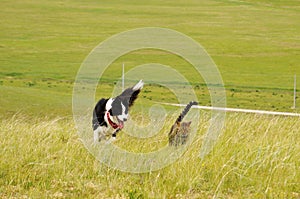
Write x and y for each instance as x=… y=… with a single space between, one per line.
x=185 y=111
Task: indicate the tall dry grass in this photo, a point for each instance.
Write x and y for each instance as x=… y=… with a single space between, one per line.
x=256 y=157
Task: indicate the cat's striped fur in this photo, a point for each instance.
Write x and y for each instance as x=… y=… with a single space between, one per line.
x=179 y=132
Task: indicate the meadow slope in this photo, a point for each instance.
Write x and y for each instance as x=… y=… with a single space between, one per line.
x=254 y=43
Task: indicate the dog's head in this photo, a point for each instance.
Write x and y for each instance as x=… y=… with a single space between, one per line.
x=118 y=107
x=119 y=110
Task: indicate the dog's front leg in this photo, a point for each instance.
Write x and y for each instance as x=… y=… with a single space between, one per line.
x=99 y=134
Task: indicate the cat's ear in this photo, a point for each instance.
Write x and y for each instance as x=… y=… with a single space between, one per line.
x=189 y=123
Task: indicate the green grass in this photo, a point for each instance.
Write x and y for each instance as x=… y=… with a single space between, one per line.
x=255 y=45
x=256 y=157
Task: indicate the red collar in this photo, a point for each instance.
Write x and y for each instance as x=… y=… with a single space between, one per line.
x=112 y=124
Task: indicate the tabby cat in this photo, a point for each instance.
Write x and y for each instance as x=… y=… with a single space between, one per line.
x=179 y=132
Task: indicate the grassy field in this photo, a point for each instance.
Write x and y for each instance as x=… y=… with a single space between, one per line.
x=256 y=157
x=254 y=43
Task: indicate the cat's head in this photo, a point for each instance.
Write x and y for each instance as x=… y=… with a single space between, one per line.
x=186 y=126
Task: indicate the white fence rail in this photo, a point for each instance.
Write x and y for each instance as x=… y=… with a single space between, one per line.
x=239 y=110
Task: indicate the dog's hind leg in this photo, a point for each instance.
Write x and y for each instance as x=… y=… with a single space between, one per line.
x=98 y=134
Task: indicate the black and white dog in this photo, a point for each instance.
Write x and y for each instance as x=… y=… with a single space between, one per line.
x=111 y=113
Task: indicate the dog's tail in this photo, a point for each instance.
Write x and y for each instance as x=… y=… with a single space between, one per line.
x=185 y=111
x=138 y=86
x=135 y=90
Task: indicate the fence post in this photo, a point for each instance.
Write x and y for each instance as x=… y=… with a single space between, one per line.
x=123 y=76
x=295 y=85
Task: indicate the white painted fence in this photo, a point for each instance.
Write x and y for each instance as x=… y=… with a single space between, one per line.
x=239 y=110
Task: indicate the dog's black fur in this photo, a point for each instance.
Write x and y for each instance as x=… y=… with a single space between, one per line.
x=98 y=114
x=108 y=110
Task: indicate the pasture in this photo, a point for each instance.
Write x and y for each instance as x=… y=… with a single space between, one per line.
x=254 y=43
